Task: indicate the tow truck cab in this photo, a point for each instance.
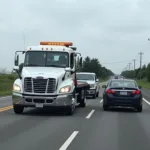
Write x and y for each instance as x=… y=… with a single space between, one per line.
x=48 y=78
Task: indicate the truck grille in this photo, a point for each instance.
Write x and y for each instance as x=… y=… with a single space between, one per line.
x=33 y=85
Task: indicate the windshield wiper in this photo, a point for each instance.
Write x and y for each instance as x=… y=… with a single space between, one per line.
x=31 y=65
x=54 y=66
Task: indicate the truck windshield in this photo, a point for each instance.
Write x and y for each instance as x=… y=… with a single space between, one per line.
x=85 y=77
x=47 y=58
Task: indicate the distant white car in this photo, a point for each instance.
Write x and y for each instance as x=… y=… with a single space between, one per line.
x=92 y=80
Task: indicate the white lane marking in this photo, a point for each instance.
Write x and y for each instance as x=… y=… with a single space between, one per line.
x=5 y=97
x=69 y=140
x=90 y=114
x=101 y=100
x=146 y=101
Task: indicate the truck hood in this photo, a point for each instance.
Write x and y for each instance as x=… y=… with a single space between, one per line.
x=43 y=71
x=88 y=81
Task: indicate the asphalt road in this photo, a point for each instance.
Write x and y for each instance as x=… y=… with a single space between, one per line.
x=89 y=128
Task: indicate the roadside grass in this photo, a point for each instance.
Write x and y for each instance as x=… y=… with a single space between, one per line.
x=143 y=83
x=6 y=83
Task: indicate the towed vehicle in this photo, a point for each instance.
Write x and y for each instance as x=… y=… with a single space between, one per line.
x=48 y=78
x=92 y=80
x=124 y=93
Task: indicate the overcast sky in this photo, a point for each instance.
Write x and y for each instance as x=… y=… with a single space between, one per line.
x=114 y=31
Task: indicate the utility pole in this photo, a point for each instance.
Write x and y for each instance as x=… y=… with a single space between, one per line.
x=134 y=67
x=140 y=62
x=129 y=66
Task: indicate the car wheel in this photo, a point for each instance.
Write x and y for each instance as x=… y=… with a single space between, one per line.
x=18 y=109
x=139 y=109
x=105 y=107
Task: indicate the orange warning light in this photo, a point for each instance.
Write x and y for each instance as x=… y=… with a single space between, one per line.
x=57 y=43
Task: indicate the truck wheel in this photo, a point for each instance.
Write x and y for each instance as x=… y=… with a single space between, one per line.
x=70 y=110
x=83 y=100
x=18 y=109
x=94 y=96
x=97 y=94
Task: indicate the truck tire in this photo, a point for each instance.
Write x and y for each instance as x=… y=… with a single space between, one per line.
x=94 y=96
x=18 y=109
x=70 y=110
x=83 y=100
x=97 y=94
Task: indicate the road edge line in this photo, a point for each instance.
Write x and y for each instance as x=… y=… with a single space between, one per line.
x=4 y=97
x=146 y=101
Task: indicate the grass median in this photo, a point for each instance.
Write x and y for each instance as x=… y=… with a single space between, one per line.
x=6 y=83
x=143 y=83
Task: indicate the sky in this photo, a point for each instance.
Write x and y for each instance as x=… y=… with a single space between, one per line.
x=114 y=31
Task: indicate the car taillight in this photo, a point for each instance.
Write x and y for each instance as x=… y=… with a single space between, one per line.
x=109 y=91
x=136 y=92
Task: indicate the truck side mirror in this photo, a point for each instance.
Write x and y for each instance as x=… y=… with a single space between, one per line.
x=68 y=69
x=16 y=68
x=16 y=60
x=97 y=80
x=81 y=61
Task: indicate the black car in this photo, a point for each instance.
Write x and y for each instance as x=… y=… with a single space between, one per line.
x=125 y=93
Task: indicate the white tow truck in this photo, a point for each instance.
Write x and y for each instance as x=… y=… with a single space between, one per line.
x=92 y=80
x=48 y=78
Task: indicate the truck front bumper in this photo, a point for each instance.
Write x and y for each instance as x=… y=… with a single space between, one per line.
x=91 y=91
x=43 y=101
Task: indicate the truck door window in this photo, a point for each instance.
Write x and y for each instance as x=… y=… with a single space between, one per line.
x=72 y=60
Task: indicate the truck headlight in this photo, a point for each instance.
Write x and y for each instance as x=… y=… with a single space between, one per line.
x=65 y=89
x=16 y=88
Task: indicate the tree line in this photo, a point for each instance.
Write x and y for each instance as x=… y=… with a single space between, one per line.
x=89 y=65
x=139 y=73
x=93 y=65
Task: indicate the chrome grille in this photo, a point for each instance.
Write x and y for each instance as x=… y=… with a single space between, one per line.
x=33 y=85
x=28 y=85
x=51 y=85
x=39 y=85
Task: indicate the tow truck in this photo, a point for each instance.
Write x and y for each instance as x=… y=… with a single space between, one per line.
x=48 y=78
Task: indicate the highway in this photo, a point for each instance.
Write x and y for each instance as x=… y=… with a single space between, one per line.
x=89 y=128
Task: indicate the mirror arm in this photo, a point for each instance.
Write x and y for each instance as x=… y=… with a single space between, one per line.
x=18 y=74
x=64 y=76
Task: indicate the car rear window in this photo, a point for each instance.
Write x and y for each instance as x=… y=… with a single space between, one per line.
x=123 y=83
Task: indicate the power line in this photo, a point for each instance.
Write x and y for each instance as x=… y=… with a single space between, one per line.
x=117 y=62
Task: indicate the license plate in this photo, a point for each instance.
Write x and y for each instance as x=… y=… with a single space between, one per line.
x=38 y=105
x=123 y=93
